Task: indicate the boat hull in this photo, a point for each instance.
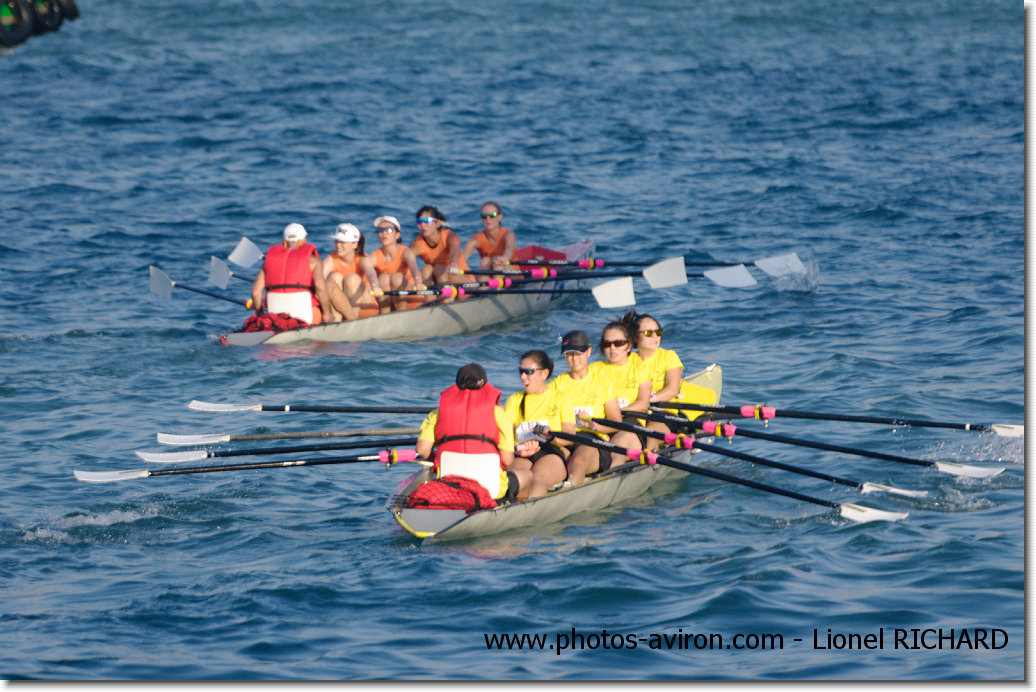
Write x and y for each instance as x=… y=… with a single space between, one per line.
x=429 y=321
x=615 y=486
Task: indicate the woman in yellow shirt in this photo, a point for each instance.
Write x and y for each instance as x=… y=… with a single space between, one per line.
x=619 y=383
x=537 y=404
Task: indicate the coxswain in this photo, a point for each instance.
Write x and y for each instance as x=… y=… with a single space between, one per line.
x=293 y=278
x=495 y=243
x=439 y=247
x=470 y=435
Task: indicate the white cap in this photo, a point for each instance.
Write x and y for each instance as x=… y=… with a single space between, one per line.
x=294 y=231
x=391 y=219
x=347 y=233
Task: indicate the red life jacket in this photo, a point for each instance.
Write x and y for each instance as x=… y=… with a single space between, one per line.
x=287 y=269
x=467 y=421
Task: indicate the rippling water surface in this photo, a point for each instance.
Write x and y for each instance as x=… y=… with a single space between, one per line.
x=881 y=141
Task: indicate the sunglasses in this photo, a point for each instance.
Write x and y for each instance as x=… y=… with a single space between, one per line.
x=651 y=332
x=386 y=229
x=427 y=219
x=527 y=371
x=491 y=215
x=616 y=343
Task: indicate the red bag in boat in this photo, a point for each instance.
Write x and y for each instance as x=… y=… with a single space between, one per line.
x=451 y=492
x=272 y=322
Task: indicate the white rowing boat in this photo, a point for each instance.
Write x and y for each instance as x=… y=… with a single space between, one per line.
x=616 y=485
x=432 y=320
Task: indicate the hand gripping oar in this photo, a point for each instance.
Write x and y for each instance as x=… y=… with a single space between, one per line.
x=729 y=430
x=216 y=438
x=767 y=412
x=234 y=408
x=163 y=286
x=679 y=441
x=858 y=513
x=201 y=454
x=386 y=456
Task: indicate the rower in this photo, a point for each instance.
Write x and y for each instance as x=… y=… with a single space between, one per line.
x=470 y=435
x=536 y=405
x=618 y=383
x=495 y=243
x=293 y=279
x=439 y=247
x=349 y=274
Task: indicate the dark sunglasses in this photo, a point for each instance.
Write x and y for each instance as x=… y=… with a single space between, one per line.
x=386 y=229
x=651 y=332
x=491 y=215
x=615 y=343
x=527 y=371
x=427 y=219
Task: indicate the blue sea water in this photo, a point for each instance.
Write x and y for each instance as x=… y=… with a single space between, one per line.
x=881 y=141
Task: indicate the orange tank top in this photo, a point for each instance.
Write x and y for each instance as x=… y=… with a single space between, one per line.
x=347 y=268
x=384 y=266
x=440 y=254
x=487 y=249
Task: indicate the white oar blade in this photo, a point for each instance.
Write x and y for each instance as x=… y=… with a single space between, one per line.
x=187 y=440
x=731 y=277
x=1008 y=429
x=222 y=408
x=110 y=476
x=878 y=488
x=861 y=514
x=968 y=471
x=172 y=457
x=219 y=272
x=161 y=284
x=670 y=272
x=781 y=265
x=245 y=254
x=617 y=293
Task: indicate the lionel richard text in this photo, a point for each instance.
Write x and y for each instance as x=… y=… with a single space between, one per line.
x=914 y=638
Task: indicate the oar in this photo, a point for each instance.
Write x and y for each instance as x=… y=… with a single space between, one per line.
x=711 y=427
x=216 y=438
x=220 y=274
x=858 y=513
x=387 y=457
x=163 y=286
x=671 y=272
x=201 y=454
x=766 y=412
x=684 y=442
x=610 y=294
x=776 y=266
x=234 y=408
x=245 y=254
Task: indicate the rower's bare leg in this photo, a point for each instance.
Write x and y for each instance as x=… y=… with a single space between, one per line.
x=546 y=472
x=583 y=461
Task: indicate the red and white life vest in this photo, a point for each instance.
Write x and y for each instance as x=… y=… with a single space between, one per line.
x=289 y=280
x=466 y=436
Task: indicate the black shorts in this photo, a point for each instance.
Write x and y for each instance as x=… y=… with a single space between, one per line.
x=546 y=449
x=512 y=489
x=604 y=457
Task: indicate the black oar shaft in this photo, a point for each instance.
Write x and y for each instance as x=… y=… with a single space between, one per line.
x=849 y=418
x=696 y=425
x=213 y=294
x=621 y=425
x=304 y=408
x=321 y=434
x=265 y=465
x=691 y=468
x=294 y=449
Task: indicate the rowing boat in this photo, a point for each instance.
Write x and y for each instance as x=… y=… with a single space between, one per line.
x=435 y=319
x=614 y=486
